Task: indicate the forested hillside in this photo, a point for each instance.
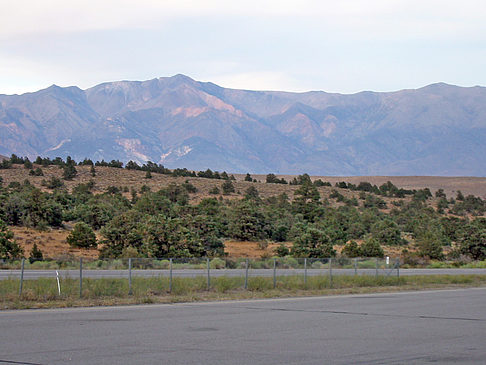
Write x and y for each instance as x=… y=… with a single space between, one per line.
x=148 y=210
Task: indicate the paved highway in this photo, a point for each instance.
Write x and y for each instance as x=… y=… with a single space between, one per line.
x=443 y=327
x=35 y=274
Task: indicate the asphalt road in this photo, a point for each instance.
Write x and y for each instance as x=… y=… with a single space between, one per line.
x=35 y=274
x=401 y=328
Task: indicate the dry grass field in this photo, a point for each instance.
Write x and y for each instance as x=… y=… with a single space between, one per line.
x=466 y=184
x=262 y=249
x=107 y=176
x=53 y=243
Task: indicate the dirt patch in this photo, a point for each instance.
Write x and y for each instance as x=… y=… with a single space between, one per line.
x=251 y=249
x=52 y=243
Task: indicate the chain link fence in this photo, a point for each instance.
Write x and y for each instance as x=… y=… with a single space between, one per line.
x=167 y=274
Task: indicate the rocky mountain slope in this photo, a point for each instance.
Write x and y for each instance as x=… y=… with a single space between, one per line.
x=436 y=130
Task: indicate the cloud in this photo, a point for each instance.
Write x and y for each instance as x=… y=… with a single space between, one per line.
x=19 y=75
x=27 y=17
x=346 y=45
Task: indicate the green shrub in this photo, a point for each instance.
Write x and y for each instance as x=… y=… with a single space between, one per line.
x=228 y=187
x=371 y=248
x=351 y=249
x=214 y=191
x=318 y=265
x=282 y=250
x=9 y=248
x=217 y=263
x=288 y=262
x=82 y=236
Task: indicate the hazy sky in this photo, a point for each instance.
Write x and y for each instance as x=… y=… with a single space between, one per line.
x=340 y=46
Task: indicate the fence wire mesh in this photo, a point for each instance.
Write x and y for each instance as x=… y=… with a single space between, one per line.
x=167 y=274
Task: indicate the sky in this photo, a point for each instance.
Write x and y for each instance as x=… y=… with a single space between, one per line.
x=342 y=46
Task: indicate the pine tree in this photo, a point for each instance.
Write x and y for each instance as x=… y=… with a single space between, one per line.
x=35 y=254
x=69 y=172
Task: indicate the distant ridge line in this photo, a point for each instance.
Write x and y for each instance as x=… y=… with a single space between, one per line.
x=436 y=130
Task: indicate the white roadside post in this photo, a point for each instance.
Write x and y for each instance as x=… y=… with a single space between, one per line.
x=58 y=283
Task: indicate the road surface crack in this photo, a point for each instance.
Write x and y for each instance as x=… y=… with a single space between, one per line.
x=367 y=314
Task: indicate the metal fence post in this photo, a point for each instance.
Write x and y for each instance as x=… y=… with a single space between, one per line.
x=330 y=272
x=355 y=266
x=129 y=276
x=209 y=275
x=246 y=274
x=274 y=273
x=305 y=272
x=81 y=277
x=398 y=267
x=21 y=277
x=170 y=275
x=376 y=269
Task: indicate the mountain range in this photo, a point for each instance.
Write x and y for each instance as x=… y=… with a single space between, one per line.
x=176 y=121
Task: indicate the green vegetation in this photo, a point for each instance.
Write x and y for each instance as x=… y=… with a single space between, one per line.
x=228 y=187
x=35 y=254
x=164 y=223
x=9 y=249
x=272 y=179
x=82 y=236
x=43 y=292
x=371 y=248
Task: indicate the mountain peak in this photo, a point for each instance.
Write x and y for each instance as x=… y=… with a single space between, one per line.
x=172 y=81
x=53 y=87
x=186 y=123
x=177 y=80
x=182 y=77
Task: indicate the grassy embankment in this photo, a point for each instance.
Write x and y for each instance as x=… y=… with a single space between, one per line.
x=43 y=293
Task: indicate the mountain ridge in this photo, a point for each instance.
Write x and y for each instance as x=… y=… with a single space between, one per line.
x=438 y=129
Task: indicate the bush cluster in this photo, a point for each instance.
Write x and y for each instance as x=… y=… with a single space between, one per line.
x=163 y=223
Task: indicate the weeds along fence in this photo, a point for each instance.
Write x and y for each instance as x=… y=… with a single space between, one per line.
x=173 y=275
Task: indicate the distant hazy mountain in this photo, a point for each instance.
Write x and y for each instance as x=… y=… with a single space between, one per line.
x=436 y=130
